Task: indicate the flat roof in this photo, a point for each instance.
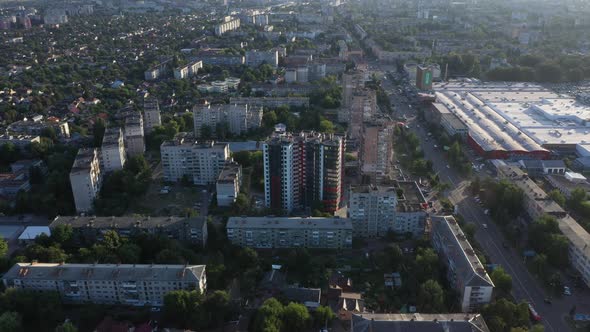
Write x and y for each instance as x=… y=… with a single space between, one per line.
x=229 y=172
x=515 y=116
x=576 y=234
x=141 y=222
x=83 y=159
x=110 y=272
x=271 y=222
x=418 y=322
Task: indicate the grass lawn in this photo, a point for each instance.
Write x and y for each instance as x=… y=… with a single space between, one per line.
x=173 y=203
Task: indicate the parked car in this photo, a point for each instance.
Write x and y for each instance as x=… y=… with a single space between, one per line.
x=567 y=291
x=534 y=314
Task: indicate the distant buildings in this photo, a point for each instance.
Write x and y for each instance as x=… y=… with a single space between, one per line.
x=465 y=272
x=134 y=135
x=229 y=84
x=198 y=162
x=270 y=102
x=38 y=126
x=86 y=179
x=302 y=170
x=113 y=150
x=377 y=210
x=217 y=57
x=417 y=322
x=228 y=184
x=283 y=232
x=238 y=118
x=229 y=24
x=123 y=284
x=188 y=70
x=151 y=114
x=424 y=77
x=255 y=58
x=91 y=229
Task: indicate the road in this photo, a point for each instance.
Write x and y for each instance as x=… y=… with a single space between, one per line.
x=525 y=286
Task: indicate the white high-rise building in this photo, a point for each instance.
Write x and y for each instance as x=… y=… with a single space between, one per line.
x=113 y=150
x=151 y=114
x=200 y=162
x=126 y=284
x=86 y=179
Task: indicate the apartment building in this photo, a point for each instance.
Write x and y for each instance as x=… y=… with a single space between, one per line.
x=112 y=150
x=88 y=229
x=229 y=24
x=255 y=58
x=303 y=169
x=120 y=284
x=188 y=70
x=36 y=127
x=134 y=135
x=239 y=118
x=228 y=184
x=151 y=114
x=579 y=246
x=417 y=322
x=377 y=210
x=270 y=102
x=19 y=141
x=536 y=201
x=376 y=150
x=465 y=272
x=200 y=162
x=86 y=179
x=284 y=232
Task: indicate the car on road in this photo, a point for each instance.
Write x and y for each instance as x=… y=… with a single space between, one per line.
x=448 y=166
x=567 y=291
x=534 y=314
x=485 y=226
x=547 y=300
x=486 y=212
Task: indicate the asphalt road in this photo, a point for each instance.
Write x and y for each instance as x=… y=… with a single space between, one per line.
x=525 y=287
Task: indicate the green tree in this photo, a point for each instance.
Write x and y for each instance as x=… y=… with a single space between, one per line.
x=129 y=253
x=268 y=316
x=503 y=314
x=269 y=119
x=295 y=317
x=326 y=126
x=62 y=234
x=10 y=322
x=66 y=327
x=557 y=196
x=323 y=316
x=426 y=264
x=431 y=297
x=502 y=280
x=3 y=247
x=242 y=203
x=217 y=305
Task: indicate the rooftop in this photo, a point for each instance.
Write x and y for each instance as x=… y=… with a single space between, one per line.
x=271 y=222
x=84 y=159
x=126 y=222
x=229 y=173
x=576 y=234
x=412 y=198
x=515 y=116
x=111 y=137
x=418 y=323
x=123 y=272
x=465 y=259
x=187 y=140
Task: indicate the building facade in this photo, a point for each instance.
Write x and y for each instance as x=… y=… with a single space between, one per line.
x=113 y=150
x=124 y=284
x=91 y=229
x=579 y=246
x=270 y=102
x=228 y=184
x=283 y=232
x=465 y=272
x=378 y=210
x=229 y=24
x=376 y=150
x=301 y=170
x=86 y=179
x=151 y=114
x=134 y=135
x=199 y=162
x=239 y=118
x=255 y=58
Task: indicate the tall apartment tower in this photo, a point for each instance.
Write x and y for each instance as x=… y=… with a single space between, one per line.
x=376 y=150
x=239 y=117
x=86 y=179
x=302 y=170
x=113 y=150
x=134 y=135
x=151 y=114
